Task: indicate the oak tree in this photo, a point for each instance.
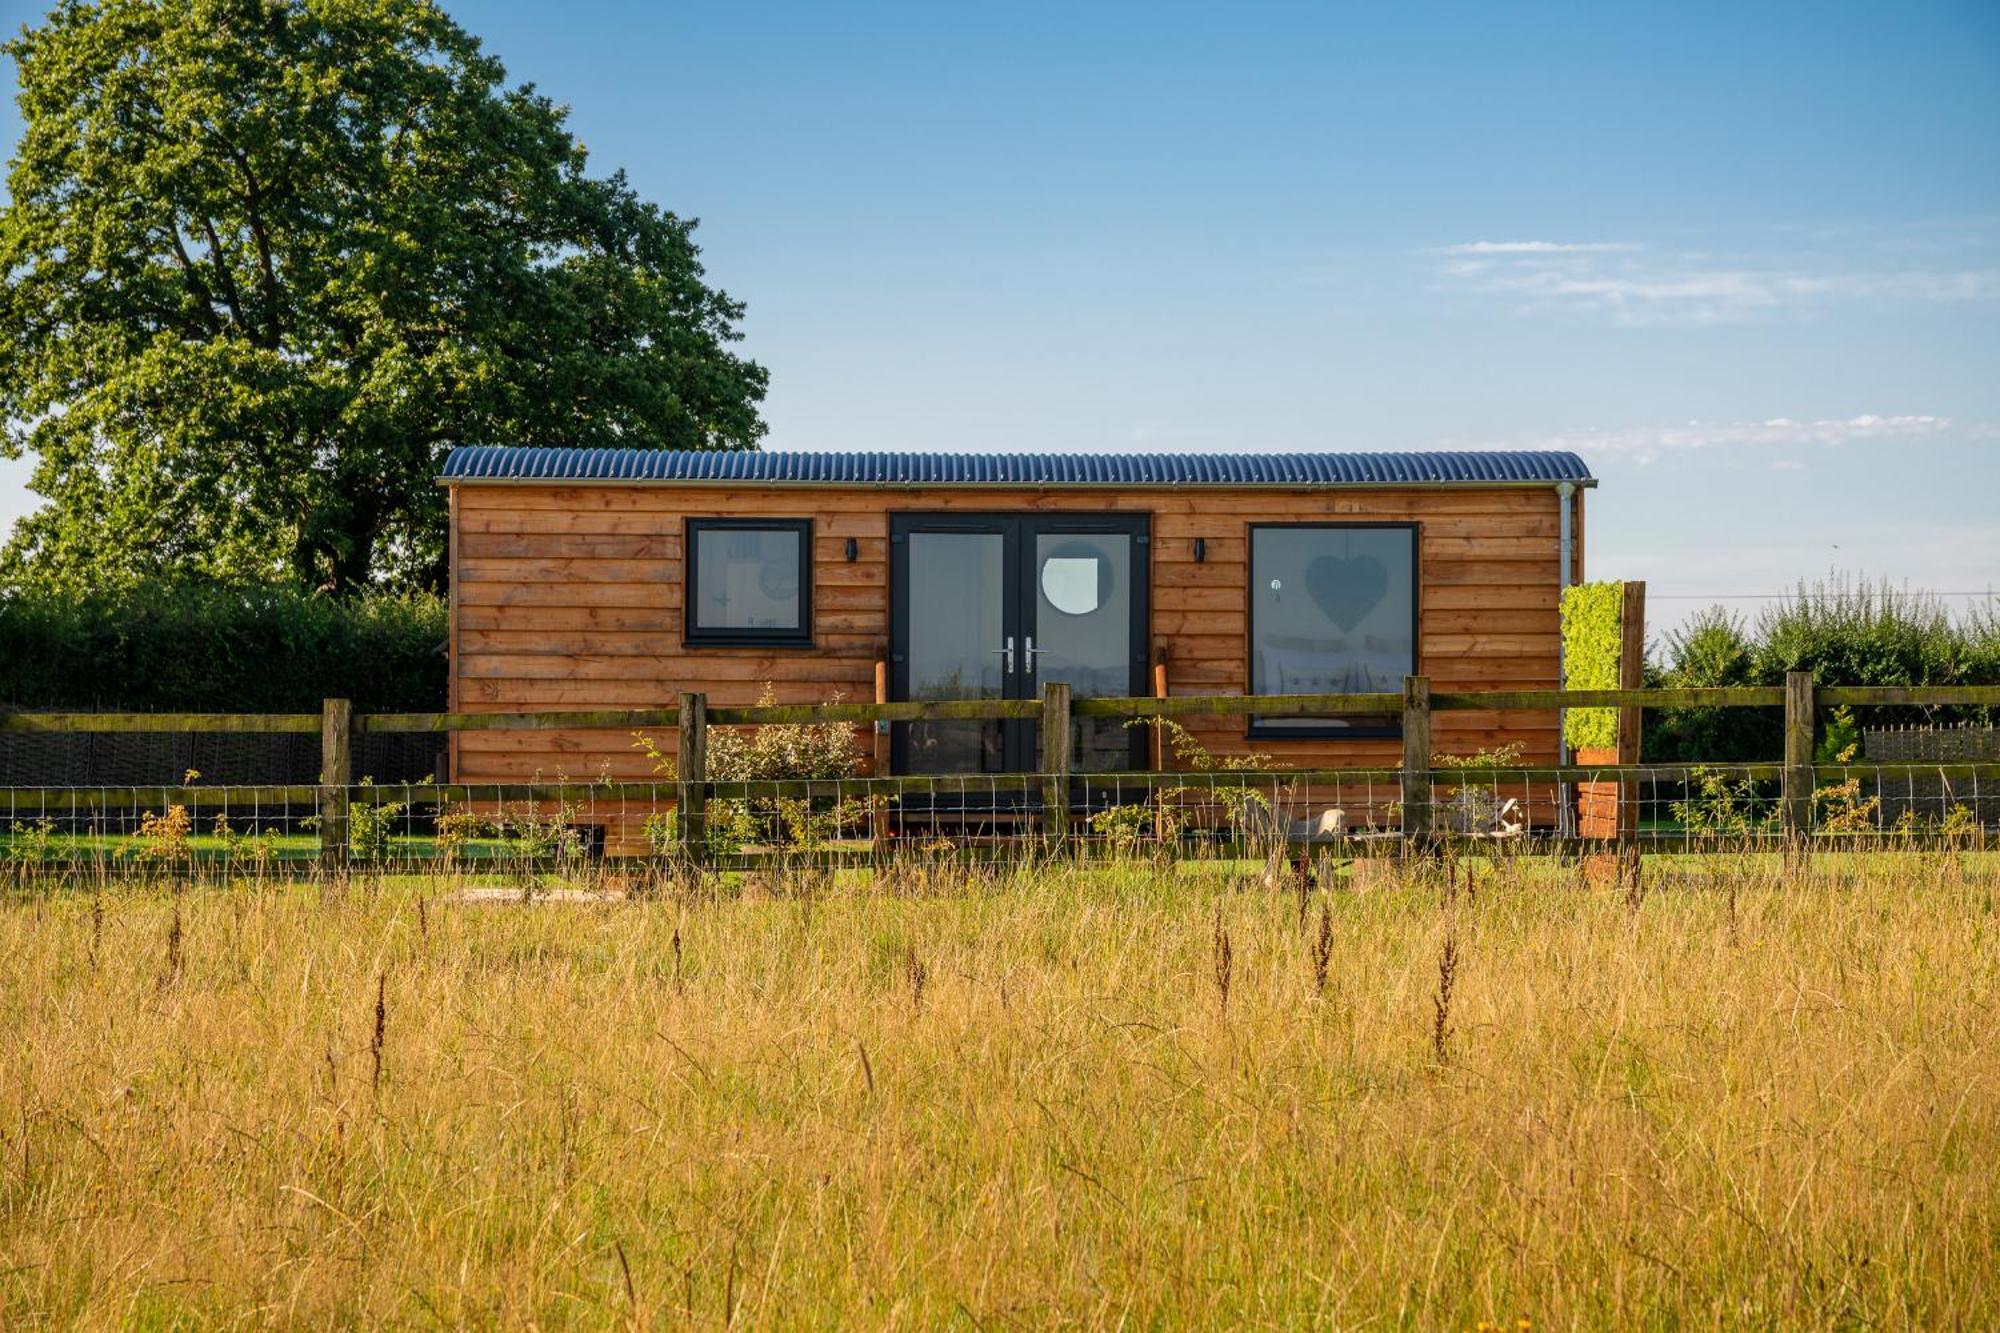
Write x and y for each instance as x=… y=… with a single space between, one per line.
x=265 y=261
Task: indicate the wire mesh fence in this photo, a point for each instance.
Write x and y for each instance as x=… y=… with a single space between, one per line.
x=701 y=812
x=580 y=829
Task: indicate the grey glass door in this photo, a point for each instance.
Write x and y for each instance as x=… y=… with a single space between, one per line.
x=993 y=606
x=957 y=642
x=1086 y=625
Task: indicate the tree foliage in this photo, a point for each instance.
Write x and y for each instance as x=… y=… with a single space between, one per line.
x=265 y=261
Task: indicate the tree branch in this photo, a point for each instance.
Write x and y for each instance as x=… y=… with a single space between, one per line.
x=224 y=277
x=253 y=198
x=203 y=297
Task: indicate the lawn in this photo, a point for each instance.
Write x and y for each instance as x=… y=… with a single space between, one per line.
x=1082 y=1096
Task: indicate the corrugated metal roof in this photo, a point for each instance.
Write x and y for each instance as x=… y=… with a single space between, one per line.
x=492 y=463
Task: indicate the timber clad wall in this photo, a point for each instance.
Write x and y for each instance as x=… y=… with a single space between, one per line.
x=571 y=597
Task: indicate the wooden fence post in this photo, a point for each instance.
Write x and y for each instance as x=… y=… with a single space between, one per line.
x=1798 y=786
x=691 y=762
x=336 y=773
x=1158 y=752
x=1631 y=676
x=1416 y=791
x=1055 y=762
x=878 y=806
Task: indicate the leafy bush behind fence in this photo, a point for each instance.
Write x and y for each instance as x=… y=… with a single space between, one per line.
x=179 y=648
x=1842 y=632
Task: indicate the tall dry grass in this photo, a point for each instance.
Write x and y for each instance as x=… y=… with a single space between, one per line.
x=1077 y=1097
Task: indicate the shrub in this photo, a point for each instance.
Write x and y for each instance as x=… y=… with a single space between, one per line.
x=824 y=751
x=202 y=648
x=1845 y=633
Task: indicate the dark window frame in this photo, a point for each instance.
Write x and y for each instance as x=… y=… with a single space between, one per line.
x=694 y=635
x=1388 y=726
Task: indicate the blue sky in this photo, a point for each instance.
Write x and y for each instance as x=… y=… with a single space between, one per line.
x=1746 y=259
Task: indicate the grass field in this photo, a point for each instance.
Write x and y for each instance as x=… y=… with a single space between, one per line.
x=1065 y=1096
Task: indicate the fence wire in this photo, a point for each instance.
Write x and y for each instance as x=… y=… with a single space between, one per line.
x=572 y=828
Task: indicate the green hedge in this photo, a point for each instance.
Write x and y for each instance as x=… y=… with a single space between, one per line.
x=160 y=648
x=1591 y=639
x=1845 y=634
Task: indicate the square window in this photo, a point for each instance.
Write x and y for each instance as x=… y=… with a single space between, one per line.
x=1333 y=610
x=749 y=581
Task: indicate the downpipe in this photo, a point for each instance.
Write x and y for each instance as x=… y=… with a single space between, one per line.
x=1566 y=550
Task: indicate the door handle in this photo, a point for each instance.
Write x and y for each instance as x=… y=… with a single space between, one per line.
x=1032 y=652
x=1008 y=653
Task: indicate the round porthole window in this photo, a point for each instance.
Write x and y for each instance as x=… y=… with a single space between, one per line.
x=1076 y=579
x=779 y=582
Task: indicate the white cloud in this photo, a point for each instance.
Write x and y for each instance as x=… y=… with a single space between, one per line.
x=1536 y=247
x=1645 y=444
x=1631 y=285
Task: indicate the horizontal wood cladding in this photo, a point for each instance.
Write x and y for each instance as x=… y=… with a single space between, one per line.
x=571 y=597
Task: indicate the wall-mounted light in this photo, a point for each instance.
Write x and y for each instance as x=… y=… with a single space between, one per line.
x=853 y=550
x=1200 y=549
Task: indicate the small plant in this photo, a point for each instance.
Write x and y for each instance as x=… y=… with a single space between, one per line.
x=727 y=828
x=1505 y=756
x=1323 y=948
x=1441 y=1002
x=376 y=1040
x=33 y=843
x=371 y=825
x=1246 y=810
x=917 y=975
x=1842 y=740
x=241 y=848
x=1719 y=808
x=167 y=836
x=457 y=830
x=1840 y=808
x=806 y=751
x=1124 y=827
x=551 y=834
x=170 y=971
x=1225 y=961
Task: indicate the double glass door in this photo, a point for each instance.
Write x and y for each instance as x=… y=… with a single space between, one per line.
x=994 y=606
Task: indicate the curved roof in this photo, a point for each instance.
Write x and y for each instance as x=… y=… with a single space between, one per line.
x=514 y=463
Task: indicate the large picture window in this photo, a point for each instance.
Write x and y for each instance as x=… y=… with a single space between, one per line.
x=749 y=581
x=1333 y=610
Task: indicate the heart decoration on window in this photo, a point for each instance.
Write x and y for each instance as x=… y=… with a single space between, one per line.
x=1347 y=588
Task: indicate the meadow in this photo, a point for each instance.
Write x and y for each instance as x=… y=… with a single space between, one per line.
x=1066 y=1095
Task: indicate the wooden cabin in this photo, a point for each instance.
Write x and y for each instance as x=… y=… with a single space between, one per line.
x=616 y=578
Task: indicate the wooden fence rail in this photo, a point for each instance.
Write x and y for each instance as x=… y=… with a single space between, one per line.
x=926 y=710
x=1415 y=781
